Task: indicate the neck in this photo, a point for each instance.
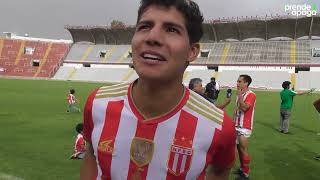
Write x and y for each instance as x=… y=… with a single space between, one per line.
x=153 y=99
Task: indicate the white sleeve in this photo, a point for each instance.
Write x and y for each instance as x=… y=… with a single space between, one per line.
x=217 y=86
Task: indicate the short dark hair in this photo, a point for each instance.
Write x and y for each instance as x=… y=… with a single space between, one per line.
x=79 y=127
x=193 y=81
x=213 y=79
x=246 y=78
x=72 y=91
x=188 y=8
x=286 y=84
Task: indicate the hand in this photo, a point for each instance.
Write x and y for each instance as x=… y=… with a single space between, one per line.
x=240 y=93
x=311 y=90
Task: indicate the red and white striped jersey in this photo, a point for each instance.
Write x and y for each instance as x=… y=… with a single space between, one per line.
x=178 y=145
x=245 y=119
x=79 y=144
x=71 y=99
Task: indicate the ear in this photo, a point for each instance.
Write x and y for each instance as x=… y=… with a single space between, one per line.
x=193 y=52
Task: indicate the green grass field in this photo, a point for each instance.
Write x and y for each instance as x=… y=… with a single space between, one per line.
x=37 y=135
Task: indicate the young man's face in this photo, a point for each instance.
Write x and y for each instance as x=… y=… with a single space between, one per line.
x=241 y=84
x=160 y=45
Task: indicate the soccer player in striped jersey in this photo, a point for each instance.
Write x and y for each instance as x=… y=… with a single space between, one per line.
x=155 y=128
x=72 y=107
x=79 y=145
x=243 y=118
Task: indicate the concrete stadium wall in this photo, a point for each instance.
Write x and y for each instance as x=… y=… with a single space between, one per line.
x=226 y=78
x=308 y=80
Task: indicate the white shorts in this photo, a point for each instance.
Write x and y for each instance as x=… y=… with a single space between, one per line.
x=242 y=131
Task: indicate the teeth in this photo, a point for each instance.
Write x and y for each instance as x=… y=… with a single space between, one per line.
x=151 y=56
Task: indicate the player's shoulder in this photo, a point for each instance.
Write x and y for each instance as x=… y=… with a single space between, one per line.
x=112 y=91
x=252 y=94
x=204 y=108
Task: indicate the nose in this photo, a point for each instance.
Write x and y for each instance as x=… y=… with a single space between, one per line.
x=154 y=37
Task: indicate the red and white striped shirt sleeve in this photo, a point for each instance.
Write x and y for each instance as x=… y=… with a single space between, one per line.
x=251 y=99
x=87 y=117
x=224 y=153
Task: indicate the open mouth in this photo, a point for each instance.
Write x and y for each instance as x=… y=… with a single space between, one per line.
x=152 y=57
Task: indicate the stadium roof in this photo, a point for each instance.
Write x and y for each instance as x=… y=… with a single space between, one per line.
x=214 y=31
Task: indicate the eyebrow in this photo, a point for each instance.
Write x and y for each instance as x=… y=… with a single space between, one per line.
x=167 y=24
x=174 y=25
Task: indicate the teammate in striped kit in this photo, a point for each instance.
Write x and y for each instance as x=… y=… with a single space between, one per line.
x=72 y=107
x=155 y=128
x=243 y=118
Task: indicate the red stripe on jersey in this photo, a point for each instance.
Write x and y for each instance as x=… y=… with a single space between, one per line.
x=158 y=119
x=71 y=99
x=87 y=117
x=144 y=131
x=223 y=146
x=108 y=134
x=183 y=139
x=248 y=115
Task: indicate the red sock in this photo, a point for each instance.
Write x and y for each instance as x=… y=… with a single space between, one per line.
x=245 y=161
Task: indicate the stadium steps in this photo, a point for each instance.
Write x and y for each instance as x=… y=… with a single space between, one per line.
x=43 y=62
x=124 y=56
x=293 y=52
x=21 y=50
x=109 y=54
x=225 y=53
x=63 y=73
x=1 y=46
x=71 y=74
x=87 y=53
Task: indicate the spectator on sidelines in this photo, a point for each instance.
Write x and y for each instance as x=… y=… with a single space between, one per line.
x=286 y=96
x=79 y=145
x=72 y=102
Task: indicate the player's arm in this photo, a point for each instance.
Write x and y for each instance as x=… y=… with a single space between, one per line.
x=224 y=155
x=89 y=166
x=243 y=106
x=303 y=92
x=224 y=104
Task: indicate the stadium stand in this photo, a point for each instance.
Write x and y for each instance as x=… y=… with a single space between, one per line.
x=267 y=49
x=31 y=58
x=95 y=74
x=261 y=79
x=90 y=53
x=251 y=41
x=308 y=80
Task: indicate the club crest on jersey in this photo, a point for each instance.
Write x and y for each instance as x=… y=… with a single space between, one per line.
x=179 y=160
x=141 y=151
x=105 y=146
